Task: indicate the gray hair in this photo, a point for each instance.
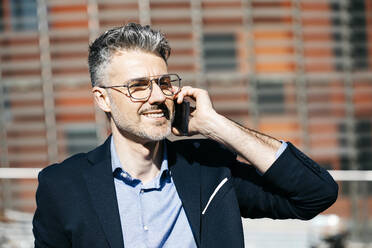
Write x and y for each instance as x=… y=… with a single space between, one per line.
x=132 y=36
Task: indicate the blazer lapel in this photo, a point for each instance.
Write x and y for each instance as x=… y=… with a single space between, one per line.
x=100 y=183
x=186 y=177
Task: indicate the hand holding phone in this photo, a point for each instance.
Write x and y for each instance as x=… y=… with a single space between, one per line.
x=181 y=119
x=194 y=115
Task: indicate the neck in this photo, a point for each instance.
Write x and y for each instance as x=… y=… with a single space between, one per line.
x=142 y=160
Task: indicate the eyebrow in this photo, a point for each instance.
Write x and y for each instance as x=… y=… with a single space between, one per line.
x=123 y=84
x=147 y=77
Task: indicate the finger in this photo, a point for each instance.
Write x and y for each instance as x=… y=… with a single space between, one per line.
x=182 y=93
x=200 y=96
x=193 y=93
x=192 y=110
x=176 y=132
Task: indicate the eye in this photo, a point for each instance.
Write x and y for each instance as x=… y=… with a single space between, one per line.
x=139 y=84
x=165 y=81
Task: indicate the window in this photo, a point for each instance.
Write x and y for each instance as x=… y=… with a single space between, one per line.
x=1 y=16
x=23 y=14
x=219 y=52
x=357 y=28
x=270 y=97
x=363 y=143
x=7 y=115
x=80 y=139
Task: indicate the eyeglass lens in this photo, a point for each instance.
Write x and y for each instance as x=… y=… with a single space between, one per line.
x=141 y=88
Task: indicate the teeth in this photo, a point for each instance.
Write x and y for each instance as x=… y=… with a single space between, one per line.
x=153 y=115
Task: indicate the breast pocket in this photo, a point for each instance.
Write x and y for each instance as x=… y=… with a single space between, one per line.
x=219 y=192
x=220 y=220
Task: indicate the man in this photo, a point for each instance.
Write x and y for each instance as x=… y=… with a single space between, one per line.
x=140 y=190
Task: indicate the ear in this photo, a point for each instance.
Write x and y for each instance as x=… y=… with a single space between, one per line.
x=102 y=99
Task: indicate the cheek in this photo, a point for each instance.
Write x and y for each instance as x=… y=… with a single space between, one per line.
x=125 y=109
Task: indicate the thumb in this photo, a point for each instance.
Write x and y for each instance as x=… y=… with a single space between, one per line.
x=176 y=132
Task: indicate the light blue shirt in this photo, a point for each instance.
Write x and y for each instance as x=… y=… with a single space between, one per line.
x=151 y=214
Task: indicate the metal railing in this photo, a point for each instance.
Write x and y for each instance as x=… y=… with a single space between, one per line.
x=338 y=175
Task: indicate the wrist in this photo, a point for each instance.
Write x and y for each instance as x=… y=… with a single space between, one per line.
x=213 y=125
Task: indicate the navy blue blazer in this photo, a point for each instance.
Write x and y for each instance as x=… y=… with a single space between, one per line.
x=77 y=205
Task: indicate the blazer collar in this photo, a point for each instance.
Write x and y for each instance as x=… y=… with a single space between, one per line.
x=186 y=177
x=100 y=183
x=101 y=152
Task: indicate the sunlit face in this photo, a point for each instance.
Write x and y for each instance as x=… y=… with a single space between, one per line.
x=147 y=120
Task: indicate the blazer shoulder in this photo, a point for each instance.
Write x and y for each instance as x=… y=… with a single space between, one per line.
x=77 y=162
x=66 y=167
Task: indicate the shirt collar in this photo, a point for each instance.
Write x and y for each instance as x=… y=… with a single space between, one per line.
x=121 y=174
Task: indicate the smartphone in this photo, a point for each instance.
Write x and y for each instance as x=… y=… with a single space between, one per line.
x=181 y=118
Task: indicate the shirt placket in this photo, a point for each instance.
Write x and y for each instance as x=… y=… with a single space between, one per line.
x=144 y=191
x=143 y=229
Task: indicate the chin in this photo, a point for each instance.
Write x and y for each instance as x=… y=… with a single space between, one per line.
x=144 y=131
x=156 y=133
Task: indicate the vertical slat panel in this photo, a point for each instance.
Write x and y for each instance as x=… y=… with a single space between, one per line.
x=5 y=193
x=24 y=140
x=300 y=79
x=93 y=24
x=47 y=84
x=252 y=79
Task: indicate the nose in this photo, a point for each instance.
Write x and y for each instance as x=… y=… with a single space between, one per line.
x=156 y=96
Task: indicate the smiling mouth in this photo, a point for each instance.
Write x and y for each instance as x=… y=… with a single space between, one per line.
x=161 y=111
x=154 y=115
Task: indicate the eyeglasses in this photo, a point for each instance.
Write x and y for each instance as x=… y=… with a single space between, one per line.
x=141 y=88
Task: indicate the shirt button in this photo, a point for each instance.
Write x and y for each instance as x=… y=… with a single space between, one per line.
x=145 y=228
x=141 y=191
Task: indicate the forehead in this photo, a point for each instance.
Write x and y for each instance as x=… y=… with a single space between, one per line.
x=125 y=65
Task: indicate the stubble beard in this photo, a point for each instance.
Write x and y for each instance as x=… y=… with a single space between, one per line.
x=156 y=132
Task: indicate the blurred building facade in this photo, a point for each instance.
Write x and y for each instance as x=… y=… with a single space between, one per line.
x=299 y=70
